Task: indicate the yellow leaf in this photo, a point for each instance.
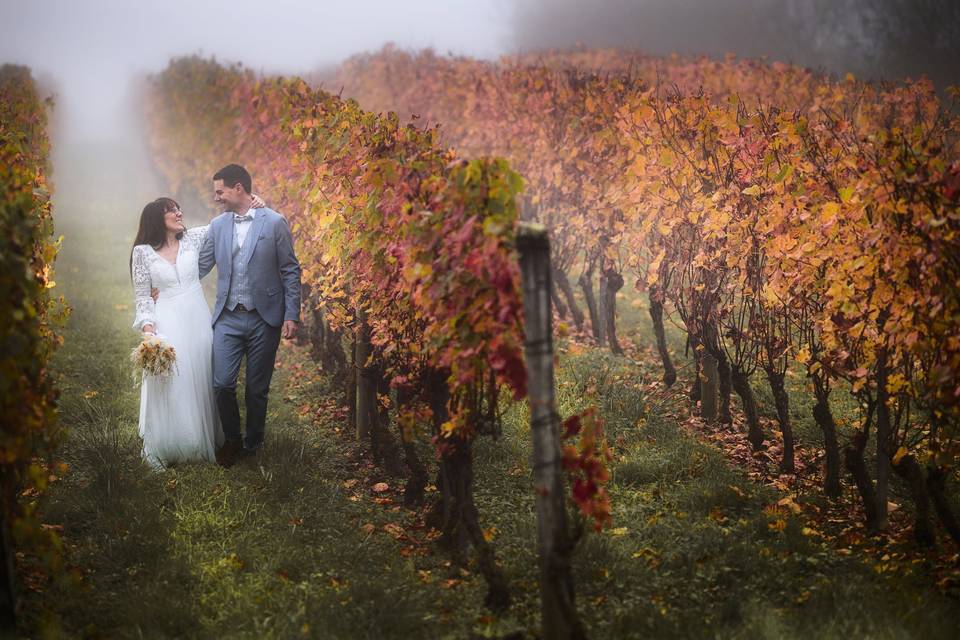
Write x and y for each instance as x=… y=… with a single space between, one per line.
x=790 y=504
x=754 y=190
x=898 y=456
x=829 y=212
x=618 y=531
x=777 y=525
x=896 y=383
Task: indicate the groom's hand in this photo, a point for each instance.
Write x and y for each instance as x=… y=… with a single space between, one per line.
x=289 y=329
x=155 y=294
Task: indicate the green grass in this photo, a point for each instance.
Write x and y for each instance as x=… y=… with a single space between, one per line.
x=289 y=546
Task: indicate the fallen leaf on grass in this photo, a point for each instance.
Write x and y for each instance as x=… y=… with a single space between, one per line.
x=737 y=490
x=395 y=531
x=716 y=514
x=790 y=504
x=368 y=528
x=777 y=525
x=349 y=483
x=380 y=487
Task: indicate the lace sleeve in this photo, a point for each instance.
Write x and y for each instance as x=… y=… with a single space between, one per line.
x=141 y=289
x=197 y=235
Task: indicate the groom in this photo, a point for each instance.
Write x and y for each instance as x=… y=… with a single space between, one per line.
x=258 y=302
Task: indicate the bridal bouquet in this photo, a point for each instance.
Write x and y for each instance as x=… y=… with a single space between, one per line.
x=153 y=357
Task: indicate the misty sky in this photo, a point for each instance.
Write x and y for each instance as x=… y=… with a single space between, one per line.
x=91 y=48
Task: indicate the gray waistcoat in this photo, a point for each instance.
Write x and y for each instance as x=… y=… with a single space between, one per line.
x=239 y=282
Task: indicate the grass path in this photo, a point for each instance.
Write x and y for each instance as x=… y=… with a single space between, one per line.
x=300 y=545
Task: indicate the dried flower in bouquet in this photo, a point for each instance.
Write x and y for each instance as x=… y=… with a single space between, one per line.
x=153 y=357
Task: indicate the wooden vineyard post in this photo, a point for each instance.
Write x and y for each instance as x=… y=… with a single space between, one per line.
x=365 y=392
x=708 y=387
x=558 y=611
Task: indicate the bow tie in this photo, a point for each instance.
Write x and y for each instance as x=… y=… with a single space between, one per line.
x=244 y=218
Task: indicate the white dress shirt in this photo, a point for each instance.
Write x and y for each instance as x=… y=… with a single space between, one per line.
x=241 y=227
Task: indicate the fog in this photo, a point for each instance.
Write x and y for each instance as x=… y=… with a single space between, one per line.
x=91 y=50
x=874 y=39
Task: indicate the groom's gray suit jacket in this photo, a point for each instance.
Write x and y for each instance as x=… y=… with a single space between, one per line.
x=272 y=265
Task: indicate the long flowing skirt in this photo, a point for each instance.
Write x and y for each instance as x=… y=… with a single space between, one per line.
x=178 y=420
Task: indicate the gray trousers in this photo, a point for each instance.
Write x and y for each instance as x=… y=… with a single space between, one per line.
x=237 y=334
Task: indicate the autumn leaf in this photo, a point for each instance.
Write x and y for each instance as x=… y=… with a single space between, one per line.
x=899 y=455
x=395 y=531
x=777 y=525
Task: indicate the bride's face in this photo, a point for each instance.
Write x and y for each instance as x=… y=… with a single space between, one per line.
x=173 y=220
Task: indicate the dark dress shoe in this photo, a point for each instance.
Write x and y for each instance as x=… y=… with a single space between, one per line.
x=229 y=453
x=249 y=454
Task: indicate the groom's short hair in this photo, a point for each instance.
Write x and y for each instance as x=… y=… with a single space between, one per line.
x=234 y=174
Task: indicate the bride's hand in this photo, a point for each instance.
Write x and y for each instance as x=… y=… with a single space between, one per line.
x=258 y=202
x=148 y=330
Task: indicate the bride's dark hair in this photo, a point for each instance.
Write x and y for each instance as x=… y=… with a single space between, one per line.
x=152 y=229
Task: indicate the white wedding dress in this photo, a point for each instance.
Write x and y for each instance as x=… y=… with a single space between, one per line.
x=178 y=420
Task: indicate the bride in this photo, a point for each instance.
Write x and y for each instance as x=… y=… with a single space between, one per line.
x=178 y=421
